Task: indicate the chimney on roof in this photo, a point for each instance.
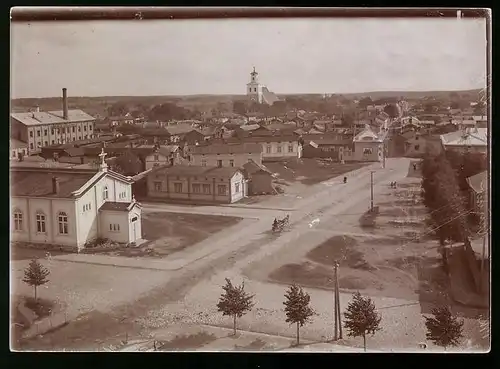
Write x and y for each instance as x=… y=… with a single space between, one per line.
x=65 y=103
x=37 y=109
x=55 y=185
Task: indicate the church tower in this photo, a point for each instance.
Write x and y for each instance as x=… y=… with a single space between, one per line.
x=254 y=88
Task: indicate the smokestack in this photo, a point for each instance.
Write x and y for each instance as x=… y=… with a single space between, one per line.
x=55 y=185
x=65 y=103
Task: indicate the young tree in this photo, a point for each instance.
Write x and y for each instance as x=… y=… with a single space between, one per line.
x=443 y=328
x=361 y=318
x=235 y=301
x=297 y=307
x=35 y=275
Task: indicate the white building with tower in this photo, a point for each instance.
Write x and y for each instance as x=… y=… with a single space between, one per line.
x=259 y=93
x=70 y=207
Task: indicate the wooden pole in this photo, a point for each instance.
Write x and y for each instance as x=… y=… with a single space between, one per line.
x=371 y=190
x=335 y=337
x=337 y=294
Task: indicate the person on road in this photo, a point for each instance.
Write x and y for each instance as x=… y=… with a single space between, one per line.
x=345 y=179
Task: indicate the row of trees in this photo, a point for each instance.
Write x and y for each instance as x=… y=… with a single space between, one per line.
x=360 y=318
x=445 y=189
x=442 y=196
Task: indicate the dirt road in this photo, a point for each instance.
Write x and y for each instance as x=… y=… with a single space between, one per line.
x=251 y=243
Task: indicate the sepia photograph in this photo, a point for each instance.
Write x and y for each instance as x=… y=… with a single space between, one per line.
x=250 y=180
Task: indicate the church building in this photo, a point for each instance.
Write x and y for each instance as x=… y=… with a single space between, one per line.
x=258 y=93
x=69 y=207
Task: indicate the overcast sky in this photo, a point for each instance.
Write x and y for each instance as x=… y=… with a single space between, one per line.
x=216 y=56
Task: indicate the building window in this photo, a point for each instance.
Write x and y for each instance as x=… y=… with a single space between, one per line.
x=38 y=133
x=63 y=223
x=178 y=187
x=219 y=163
x=46 y=143
x=79 y=128
x=279 y=149
x=13 y=154
x=52 y=142
x=156 y=158
x=367 y=151
x=18 y=220
x=90 y=128
x=73 y=129
x=203 y=162
x=196 y=188
x=231 y=163
x=40 y=222
x=105 y=193
x=31 y=133
x=237 y=187
x=85 y=128
x=31 y=146
x=157 y=186
x=206 y=189
x=222 y=189
x=45 y=132
x=114 y=227
x=417 y=147
x=52 y=131
x=290 y=148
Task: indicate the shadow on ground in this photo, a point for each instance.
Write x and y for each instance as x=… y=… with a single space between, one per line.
x=187 y=342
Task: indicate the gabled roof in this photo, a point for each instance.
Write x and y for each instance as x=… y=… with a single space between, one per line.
x=39 y=183
x=367 y=135
x=196 y=170
x=230 y=148
x=252 y=167
x=180 y=129
x=250 y=127
x=468 y=137
x=268 y=138
x=51 y=117
x=478 y=182
x=118 y=206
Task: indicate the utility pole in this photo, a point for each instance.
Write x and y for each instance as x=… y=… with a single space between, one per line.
x=337 y=294
x=335 y=305
x=371 y=190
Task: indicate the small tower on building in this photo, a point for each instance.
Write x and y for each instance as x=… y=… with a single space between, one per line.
x=103 y=166
x=254 y=88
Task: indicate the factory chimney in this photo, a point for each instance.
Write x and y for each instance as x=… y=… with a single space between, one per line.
x=65 y=103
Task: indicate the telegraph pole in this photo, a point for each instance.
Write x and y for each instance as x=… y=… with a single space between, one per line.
x=337 y=294
x=371 y=190
x=335 y=305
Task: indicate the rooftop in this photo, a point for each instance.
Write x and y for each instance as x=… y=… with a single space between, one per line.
x=16 y=144
x=39 y=184
x=115 y=206
x=478 y=182
x=230 y=148
x=468 y=137
x=51 y=117
x=195 y=170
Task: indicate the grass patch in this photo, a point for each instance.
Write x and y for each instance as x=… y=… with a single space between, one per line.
x=41 y=307
x=369 y=218
x=187 y=342
x=341 y=249
x=311 y=171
